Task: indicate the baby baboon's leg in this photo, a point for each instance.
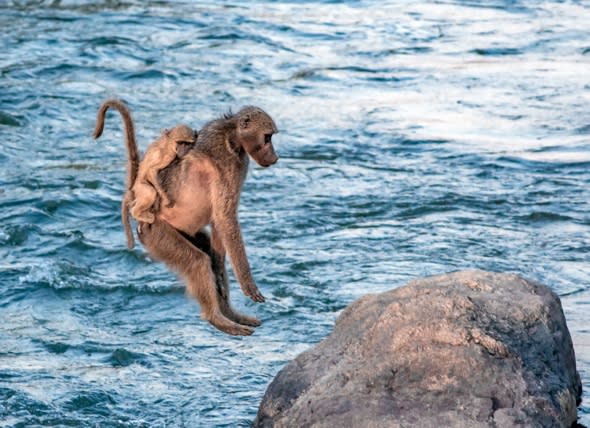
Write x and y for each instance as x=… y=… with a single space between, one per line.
x=145 y=196
x=217 y=255
x=166 y=244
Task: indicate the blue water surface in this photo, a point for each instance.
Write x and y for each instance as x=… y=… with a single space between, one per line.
x=417 y=137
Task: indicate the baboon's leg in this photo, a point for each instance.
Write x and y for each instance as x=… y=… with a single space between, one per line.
x=166 y=244
x=145 y=196
x=125 y=218
x=213 y=248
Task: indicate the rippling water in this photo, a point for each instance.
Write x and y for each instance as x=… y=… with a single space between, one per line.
x=416 y=138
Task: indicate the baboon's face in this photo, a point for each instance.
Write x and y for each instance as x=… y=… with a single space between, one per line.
x=260 y=148
x=255 y=131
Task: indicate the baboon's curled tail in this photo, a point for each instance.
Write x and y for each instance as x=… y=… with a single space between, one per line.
x=133 y=162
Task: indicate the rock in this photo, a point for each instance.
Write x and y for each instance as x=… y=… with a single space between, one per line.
x=467 y=349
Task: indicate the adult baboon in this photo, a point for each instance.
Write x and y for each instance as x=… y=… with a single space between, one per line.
x=205 y=185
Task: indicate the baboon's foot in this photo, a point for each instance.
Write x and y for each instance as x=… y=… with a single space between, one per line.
x=220 y=322
x=247 y=320
x=232 y=314
x=242 y=319
x=146 y=217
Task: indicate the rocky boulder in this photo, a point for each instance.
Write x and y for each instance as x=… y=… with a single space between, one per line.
x=467 y=349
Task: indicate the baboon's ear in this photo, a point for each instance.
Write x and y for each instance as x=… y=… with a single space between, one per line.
x=245 y=121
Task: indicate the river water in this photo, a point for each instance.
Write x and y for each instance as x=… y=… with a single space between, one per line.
x=416 y=138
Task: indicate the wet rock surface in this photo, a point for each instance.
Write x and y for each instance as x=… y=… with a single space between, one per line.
x=466 y=349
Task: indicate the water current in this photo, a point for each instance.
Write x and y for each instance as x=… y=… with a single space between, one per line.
x=417 y=138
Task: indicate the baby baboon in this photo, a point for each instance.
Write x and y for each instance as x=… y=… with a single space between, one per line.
x=158 y=156
x=205 y=185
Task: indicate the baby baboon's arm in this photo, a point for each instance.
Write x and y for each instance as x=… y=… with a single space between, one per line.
x=152 y=178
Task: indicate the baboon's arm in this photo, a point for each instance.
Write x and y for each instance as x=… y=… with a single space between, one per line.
x=226 y=223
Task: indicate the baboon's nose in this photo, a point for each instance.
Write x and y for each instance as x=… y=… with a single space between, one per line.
x=268 y=160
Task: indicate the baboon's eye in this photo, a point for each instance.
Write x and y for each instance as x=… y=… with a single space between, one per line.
x=267 y=138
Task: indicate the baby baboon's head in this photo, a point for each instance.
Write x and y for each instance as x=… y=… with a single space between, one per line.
x=182 y=134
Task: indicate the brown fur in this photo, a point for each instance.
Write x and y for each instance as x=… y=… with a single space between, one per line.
x=133 y=162
x=205 y=185
x=159 y=155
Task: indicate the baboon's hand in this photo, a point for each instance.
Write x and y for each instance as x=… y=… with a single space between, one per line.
x=258 y=297
x=166 y=201
x=252 y=292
